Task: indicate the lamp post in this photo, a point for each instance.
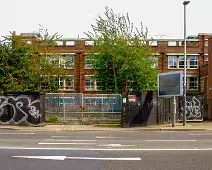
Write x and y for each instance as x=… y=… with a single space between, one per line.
x=185 y=64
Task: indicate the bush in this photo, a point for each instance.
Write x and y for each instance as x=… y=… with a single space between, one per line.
x=52 y=119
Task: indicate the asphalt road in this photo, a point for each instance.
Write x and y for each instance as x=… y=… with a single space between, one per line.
x=28 y=150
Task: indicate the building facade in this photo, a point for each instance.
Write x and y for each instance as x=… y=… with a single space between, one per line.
x=171 y=58
x=170 y=52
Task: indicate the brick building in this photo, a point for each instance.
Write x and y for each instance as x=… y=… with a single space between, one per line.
x=171 y=58
x=171 y=52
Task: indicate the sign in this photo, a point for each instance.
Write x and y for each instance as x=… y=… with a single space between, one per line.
x=170 y=84
x=132 y=98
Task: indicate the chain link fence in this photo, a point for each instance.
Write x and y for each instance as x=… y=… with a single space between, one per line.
x=77 y=108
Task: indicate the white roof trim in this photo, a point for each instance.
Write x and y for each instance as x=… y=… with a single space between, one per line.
x=180 y=54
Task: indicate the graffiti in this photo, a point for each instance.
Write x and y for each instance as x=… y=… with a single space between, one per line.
x=193 y=108
x=153 y=103
x=19 y=110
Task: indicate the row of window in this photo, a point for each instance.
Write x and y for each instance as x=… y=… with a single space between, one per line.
x=177 y=62
x=67 y=84
x=72 y=43
x=67 y=61
x=194 y=43
x=174 y=61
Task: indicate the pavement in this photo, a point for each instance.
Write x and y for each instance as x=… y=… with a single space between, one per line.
x=190 y=126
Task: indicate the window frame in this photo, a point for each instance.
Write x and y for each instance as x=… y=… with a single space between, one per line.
x=62 y=82
x=90 y=88
x=188 y=83
x=87 y=64
x=180 y=59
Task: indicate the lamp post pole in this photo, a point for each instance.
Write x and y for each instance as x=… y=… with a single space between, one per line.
x=185 y=63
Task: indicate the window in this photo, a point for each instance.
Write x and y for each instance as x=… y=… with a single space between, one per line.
x=181 y=61
x=193 y=61
x=66 y=83
x=64 y=61
x=154 y=59
x=177 y=61
x=70 y=43
x=89 y=62
x=59 y=43
x=181 y=43
x=89 y=43
x=206 y=58
x=192 y=83
x=67 y=61
x=202 y=85
x=172 y=43
x=90 y=83
x=153 y=43
x=206 y=42
x=54 y=60
x=172 y=61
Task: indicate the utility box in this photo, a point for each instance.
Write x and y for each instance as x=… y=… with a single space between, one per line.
x=131 y=114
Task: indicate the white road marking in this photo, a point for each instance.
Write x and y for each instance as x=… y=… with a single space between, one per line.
x=17 y=133
x=170 y=140
x=43 y=143
x=203 y=134
x=109 y=159
x=111 y=149
x=65 y=136
x=107 y=137
x=42 y=157
x=60 y=136
x=66 y=140
x=85 y=158
x=115 y=145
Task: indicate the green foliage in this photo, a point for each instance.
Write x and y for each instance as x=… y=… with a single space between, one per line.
x=25 y=64
x=122 y=59
x=52 y=119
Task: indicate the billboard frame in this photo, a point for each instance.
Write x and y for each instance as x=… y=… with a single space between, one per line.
x=180 y=73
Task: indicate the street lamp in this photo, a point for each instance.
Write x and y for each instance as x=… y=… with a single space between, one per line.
x=185 y=64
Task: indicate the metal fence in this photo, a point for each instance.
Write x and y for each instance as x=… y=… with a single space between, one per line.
x=77 y=108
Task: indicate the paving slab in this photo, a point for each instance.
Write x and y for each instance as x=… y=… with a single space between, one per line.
x=196 y=126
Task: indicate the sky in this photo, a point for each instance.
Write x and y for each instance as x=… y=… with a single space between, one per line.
x=71 y=18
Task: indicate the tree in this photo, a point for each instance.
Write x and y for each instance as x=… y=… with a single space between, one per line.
x=25 y=64
x=122 y=59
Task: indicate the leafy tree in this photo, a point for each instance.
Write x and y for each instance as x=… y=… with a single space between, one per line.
x=25 y=64
x=122 y=59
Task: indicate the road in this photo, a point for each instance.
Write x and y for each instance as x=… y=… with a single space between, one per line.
x=23 y=150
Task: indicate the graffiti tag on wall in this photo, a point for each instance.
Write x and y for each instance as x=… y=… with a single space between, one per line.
x=18 y=110
x=193 y=108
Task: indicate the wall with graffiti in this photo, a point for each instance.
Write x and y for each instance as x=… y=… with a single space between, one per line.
x=21 y=108
x=194 y=107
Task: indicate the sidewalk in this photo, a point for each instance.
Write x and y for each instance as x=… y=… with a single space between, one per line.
x=190 y=126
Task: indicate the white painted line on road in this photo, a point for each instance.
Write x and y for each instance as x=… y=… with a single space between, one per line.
x=170 y=140
x=60 y=136
x=84 y=158
x=203 y=134
x=66 y=140
x=17 y=133
x=108 y=159
x=42 y=157
x=107 y=137
x=42 y=143
x=65 y=136
x=111 y=149
x=115 y=145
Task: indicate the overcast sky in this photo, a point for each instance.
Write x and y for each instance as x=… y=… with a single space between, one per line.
x=70 y=18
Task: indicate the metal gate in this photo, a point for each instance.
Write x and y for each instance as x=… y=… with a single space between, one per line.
x=78 y=108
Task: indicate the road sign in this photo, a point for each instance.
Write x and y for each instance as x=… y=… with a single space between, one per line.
x=170 y=84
